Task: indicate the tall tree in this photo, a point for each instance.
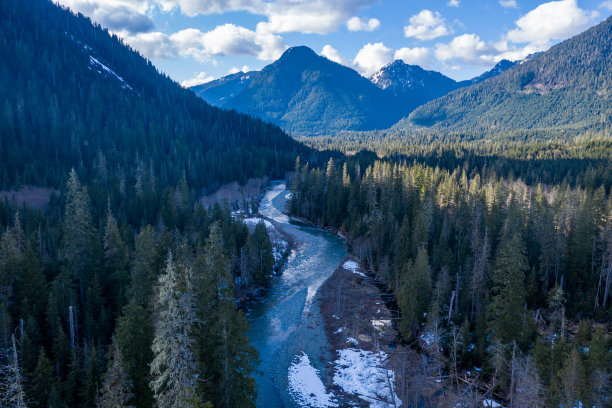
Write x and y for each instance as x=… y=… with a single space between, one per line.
x=116 y=390
x=508 y=288
x=174 y=367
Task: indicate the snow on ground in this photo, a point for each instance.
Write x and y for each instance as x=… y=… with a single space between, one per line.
x=362 y=373
x=491 y=404
x=352 y=342
x=381 y=324
x=306 y=387
x=288 y=196
x=94 y=61
x=353 y=267
x=255 y=221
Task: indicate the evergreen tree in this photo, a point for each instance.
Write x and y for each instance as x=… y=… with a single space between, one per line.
x=174 y=367
x=117 y=387
x=414 y=293
x=42 y=381
x=508 y=289
x=12 y=393
x=261 y=254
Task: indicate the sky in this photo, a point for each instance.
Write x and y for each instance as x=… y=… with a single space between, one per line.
x=195 y=41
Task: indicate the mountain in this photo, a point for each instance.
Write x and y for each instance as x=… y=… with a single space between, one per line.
x=73 y=96
x=567 y=87
x=411 y=84
x=307 y=94
x=220 y=91
x=500 y=67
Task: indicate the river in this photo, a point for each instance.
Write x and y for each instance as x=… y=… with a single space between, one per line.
x=287 y=323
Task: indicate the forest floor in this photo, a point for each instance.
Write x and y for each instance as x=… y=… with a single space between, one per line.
x=361 y=335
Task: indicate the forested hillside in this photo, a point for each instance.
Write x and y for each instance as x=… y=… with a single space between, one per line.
x=566 y=87
x=120 y=291
x=502 y=268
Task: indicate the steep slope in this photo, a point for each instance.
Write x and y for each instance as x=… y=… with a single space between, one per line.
x=220 y=91
x=307 y=95
x=411 y=84
x=74 y=96
x=566 y=87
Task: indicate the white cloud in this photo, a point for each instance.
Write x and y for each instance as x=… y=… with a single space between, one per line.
x=305 y=16
x=154 y=45
x=556 y=20
x=416 y=56
x=226 y=39
x=606 y=5
x=357 y=24
x=199 y=79
x=468 y=48
x=508 y=3
x=234 y=70
x=372 y=57
x=426 y=25
x=116 y=15
x=332 y=54
x=453 y=3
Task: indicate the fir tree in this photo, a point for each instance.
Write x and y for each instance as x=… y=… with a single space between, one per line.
x=174 y=368
x=117 y=387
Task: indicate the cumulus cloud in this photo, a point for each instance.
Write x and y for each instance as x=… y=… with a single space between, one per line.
x=332 y=54
x=468 y=48
x=199 y=79
x=453 y=3
x=508 y=3
x=227 y=39
x=234 y=70
x=305 y=16
x=556 y=20
x=357 y=24
x=372 y=57
x=426 y=25
x=416 y=56
x=116 y=15
x=606 y=5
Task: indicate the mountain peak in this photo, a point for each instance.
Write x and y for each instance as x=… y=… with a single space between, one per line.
x=300 y=52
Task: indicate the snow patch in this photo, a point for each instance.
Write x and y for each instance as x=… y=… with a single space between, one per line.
x=306 y=387
x=94 y=62
x=428 y=338
x=488 y=403
x=362 y=373
x=381 y=324
x=255 y=221
x=352 y=342
x=353 y=267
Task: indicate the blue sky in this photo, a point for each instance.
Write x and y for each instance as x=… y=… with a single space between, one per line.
x=195 y=41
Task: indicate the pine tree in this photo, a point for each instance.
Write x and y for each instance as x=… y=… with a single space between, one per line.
x=261 y=254
x=134 y=335
x=116 y=390
x=174 y=368
x=414 y=292
x=227 y=358
x=42 y=380
x=79 y=236
x=508 y=289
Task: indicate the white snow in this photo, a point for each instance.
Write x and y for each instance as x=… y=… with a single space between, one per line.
x=94 y=61
x=288 y=196
x=381 y=324
x=255 y=221
x=340 y=330
x=491 y=404
x=306 y=387
x=351 y=341
x=362 y=373
x=353 y=267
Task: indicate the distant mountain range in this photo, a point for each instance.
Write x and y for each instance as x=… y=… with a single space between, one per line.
x=567 y=87
x=307 y=94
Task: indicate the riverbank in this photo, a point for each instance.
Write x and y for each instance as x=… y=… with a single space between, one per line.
x=359 y=330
